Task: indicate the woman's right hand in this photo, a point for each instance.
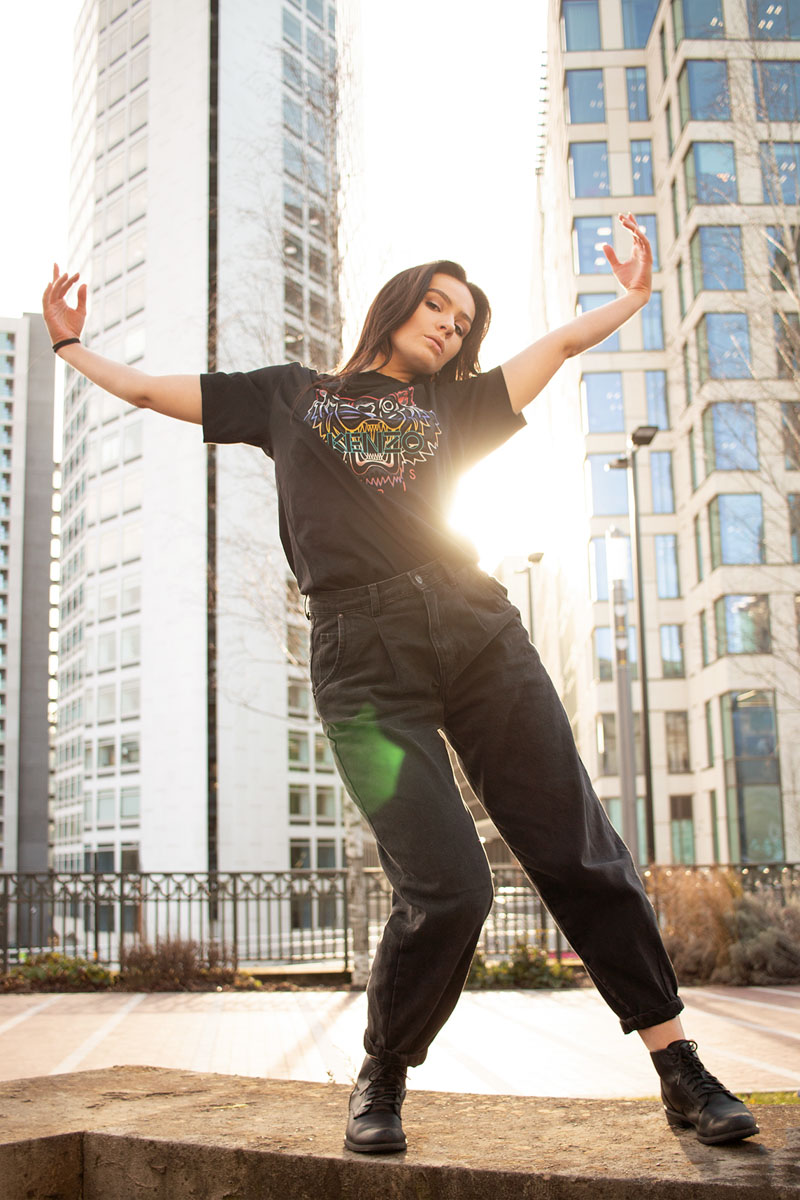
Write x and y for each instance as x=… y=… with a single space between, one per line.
x=61 y=320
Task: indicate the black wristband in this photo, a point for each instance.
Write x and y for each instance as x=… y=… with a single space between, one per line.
x=66 y=342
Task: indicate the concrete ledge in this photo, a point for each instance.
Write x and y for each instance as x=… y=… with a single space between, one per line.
x=133 y=1132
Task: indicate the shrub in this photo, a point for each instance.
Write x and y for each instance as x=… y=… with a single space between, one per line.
x=715 y=932
x=528 y=967
x=173 y=965
x=53 y=972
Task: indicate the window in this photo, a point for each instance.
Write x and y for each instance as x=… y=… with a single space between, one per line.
x=326 y=805
x=786 y=326
x=293 y=343
x=607 y=744
x=697 y=19
x=293 y=251
x=130 y=645
x=608 y=489
x=132 y=440
x=770 y=20
x=297 y=644
x=655 y=386
x=588 y=165
x=642 y=167
x=106 y=703
x=293 y=296
x=323 y=757
x=601 y=392
x=589 y=236
x=661 y=481
x=729 y=437
x=298 y=701
x=737 y=529
x=742 y=624
x=672 y=663
x=129 y=803
x=653 y=323
x=709 y=734
x=299 y=804
x=681 y=823
x=129 y=698
x=723 y=346
x=794 y=525
x=637 y=21
x=783 y=246
x=648 y=225
x=601 y=644
x=581 y=24
x=677 y=733
x=292 y=115
x=703 y=91
x=131 y=593
x=299 y=856
x=585 y=97
x=590 y=300
x=292 y=30
x=106 y=809
x=598 y=570
x=292 y=71
x=750 y=749
x=106 y=651
x=780 y=172
x=710 y=173
x=777 y=90
x=717 y=263
x=129 y=751
x=667 y=579
x=317 y=263
x=698 y=549
x=315 y=47
x=668 y=126
x=292 y=204
x=636 y=81
x=790 y=425
x=298 y=749
x=106 y=754
x=326 y=857
x=704 y=646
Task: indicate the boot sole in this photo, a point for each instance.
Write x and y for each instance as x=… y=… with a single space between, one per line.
x=676 y=1121
x=377 y=1147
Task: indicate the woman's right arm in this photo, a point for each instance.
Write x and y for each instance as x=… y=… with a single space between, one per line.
x=173 y=395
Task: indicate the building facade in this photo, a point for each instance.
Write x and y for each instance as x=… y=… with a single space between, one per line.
x=686 y=114
x=27 y=640
x=203 y=210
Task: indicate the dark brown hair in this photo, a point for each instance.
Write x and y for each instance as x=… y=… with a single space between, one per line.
x=394 y=304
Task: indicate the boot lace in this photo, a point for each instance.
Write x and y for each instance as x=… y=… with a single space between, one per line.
x=695 y=1075
x=385 y=1090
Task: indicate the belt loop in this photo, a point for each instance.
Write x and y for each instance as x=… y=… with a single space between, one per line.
x=306 y=608
x=374 y=601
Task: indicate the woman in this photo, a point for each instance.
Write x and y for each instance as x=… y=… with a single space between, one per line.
x=409 y=638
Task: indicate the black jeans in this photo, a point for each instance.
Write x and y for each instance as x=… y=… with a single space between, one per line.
x=436 y=649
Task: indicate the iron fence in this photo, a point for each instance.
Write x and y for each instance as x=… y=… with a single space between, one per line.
x=281 y=917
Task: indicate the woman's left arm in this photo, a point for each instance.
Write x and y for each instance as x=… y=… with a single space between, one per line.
x=527 y=373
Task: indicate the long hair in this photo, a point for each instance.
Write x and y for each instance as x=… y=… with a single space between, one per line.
x=394 y=304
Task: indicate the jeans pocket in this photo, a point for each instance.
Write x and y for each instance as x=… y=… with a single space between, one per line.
x=327 y=650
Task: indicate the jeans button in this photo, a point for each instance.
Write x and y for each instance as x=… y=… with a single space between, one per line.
x=418 y=579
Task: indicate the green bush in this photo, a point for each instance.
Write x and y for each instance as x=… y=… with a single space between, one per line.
x=173 y=965
x=528 y=967
x=54 y=972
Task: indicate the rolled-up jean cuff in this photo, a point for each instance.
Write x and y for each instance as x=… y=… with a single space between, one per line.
x=395 y=1060
x=655 y=1016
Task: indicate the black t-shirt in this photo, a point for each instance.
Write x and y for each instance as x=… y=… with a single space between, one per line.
x=365 y=480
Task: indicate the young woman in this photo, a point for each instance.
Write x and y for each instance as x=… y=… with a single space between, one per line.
x=409 y=637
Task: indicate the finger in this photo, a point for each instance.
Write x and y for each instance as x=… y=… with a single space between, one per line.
x=611 y=256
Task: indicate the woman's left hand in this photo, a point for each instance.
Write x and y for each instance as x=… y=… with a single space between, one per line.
x=636 y=274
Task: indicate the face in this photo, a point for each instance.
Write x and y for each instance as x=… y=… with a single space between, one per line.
x=434 y=333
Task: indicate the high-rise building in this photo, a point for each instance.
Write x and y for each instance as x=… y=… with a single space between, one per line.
x=686 y=113
x=203 y=218
x=26 y=519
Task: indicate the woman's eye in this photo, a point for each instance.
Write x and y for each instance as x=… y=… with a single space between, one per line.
x=459 y=331
x=432 y=304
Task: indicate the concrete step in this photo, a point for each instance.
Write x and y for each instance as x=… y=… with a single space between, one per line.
x=133 y=1132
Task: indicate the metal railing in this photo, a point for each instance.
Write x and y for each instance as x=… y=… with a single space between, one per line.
x=280 y=917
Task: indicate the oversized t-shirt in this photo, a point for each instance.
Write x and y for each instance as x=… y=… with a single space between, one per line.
x=365 y=480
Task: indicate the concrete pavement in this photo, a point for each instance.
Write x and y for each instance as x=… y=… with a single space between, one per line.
x=534 y=1043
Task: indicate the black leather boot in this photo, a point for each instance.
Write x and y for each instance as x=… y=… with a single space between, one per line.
x=694 y=1098
x=374 y=1126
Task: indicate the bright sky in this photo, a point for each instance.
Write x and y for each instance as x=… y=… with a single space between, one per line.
x=448 y=119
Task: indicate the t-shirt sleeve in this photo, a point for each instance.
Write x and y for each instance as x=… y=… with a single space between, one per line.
x=238 y=406
x=480 y=414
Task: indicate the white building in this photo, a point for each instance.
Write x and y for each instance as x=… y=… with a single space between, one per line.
x=203 y=194
x=26 y=478
x=686 y=114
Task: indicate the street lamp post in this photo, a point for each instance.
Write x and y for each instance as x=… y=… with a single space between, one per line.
x=641 y=436
x=617 y=573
